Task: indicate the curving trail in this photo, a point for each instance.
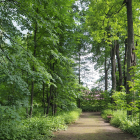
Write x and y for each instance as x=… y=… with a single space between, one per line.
x=91 y=126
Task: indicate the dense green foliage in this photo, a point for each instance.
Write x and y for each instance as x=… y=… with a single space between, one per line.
x=95 y=100
x=37 y=67
x=117 y=115
x=37 y=127
x=120 y=120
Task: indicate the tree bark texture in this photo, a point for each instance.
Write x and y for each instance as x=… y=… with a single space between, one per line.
x=44 y=98
x=49 y=100
x=113 y=64
x=53 y=95
x=106 y=74
x=49 y=97
x=130 y=53
x=27 y=112
x=47 y=111
x=124 y=67
x=119 y=65
x=79 y=78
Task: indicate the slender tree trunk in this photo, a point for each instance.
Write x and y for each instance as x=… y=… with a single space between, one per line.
x=119 y=65
x=79 y=78
x=32 y=88
x=51 y=90
x=47 y=110
x=49 y=99
x=113 y=63
x=27 y=112
x=125 y=60
x=52 y=105
x=130 y=53
x=44 y=97
x=105 y=74
x=32 y=95
x=53 y=94
x=55 y=106
x=113 y=71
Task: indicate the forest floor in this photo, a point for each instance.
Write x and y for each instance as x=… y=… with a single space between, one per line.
x=91 y=126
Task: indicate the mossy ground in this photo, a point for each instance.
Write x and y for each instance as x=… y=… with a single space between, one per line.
x=91 y=126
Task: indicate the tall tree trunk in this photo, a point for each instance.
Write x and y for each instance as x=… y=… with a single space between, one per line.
x=130 y=53
x=113 y=71
x=124 y=67
x=113 y=63
x=47 y=110
x=53 y=94
x=119 y=65
x=51 y=90
x=55 y=106
x=52 y=104
x=49 y=100
x=105 y=74
x=32 y=88
x=44 y=97
x=79 y=78
x=27 y=112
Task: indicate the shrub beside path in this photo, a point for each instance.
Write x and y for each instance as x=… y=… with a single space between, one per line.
x=91 y=126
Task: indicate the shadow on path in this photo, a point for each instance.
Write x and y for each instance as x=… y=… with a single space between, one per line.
x=91 y=126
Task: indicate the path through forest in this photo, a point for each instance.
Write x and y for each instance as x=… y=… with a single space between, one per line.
x=91 y=126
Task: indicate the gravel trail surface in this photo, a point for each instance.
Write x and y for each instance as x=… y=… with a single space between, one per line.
x=91 y=126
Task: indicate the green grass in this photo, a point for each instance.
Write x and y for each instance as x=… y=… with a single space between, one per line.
x=71 y=116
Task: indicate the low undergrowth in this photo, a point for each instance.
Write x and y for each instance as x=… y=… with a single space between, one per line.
x=120 y=120
x=36 y=128
x=91 y=108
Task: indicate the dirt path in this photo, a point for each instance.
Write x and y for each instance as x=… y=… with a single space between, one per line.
x=91 y=126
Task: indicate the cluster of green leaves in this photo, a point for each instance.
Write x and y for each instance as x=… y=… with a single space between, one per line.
x=136 y=74
x=120 y=99
x=120 y=102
